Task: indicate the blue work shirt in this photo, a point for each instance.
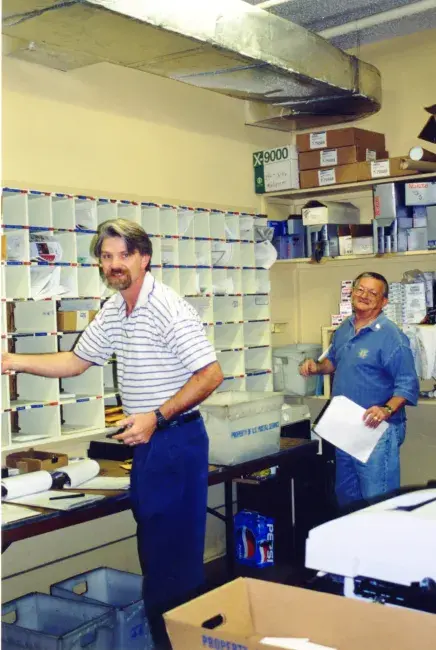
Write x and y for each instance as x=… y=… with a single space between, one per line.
x=374 y=365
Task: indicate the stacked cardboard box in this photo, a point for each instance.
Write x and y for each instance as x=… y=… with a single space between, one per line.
x=404 y=217
x=343 y=156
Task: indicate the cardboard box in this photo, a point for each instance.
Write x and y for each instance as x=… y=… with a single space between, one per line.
x=421 y=193
x=34 y=461
x=361 y=171
x=4 y=247
x=383 y=169
x=431 y=226
x=363 y=246
x=74 y=321
x=238 y=615
x=417 y=239
x=341 y=138
x=332 y=176
x=339 y=156
x=316 y=213
x=276 y=169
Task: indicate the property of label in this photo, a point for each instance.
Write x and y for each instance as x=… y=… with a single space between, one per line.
x=326 y=177
x=371 y=155
x=328 y=157
x=380 y=168
x=318 y=140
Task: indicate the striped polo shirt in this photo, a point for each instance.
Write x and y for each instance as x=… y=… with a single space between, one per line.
x=158 y=347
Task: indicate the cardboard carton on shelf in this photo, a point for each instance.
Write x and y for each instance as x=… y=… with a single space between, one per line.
x=321 y=158
x=330 y=176
x=246 y=613
x=353 y=173
x=75 y=321
x=349 y=136
x=34 y=461
x=355 y=239
x=383 y=169
x=4 y=247
x=316 y=213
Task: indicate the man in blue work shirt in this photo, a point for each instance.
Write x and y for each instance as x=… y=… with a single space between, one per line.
x=373 y=366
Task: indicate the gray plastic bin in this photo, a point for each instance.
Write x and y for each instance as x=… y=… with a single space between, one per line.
x=42 y=622
x=120 y=590
x=286 y=374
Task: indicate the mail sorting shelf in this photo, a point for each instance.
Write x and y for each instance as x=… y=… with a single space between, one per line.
x=208 y=256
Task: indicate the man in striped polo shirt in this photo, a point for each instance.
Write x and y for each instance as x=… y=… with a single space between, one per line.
x=165 y=368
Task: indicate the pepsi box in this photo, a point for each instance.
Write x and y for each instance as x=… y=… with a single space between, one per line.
x=254 y=539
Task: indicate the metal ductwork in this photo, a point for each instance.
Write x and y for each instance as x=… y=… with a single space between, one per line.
x=290 y=77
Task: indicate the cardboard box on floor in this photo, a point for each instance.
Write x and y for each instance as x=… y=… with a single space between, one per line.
x=251 y=610
x=341 y=138
x=339 y=156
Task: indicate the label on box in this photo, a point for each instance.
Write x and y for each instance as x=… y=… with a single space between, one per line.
x=371 y=155
x=326 y=177
x=318 y=140
x=82 y=319
x=380 y=168
x=328 y=157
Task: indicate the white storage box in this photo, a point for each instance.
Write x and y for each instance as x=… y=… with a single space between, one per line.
x=287 y=378
x=242 y=425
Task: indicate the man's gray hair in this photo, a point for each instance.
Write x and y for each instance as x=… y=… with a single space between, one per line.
x=134 y=236
x=375 y=276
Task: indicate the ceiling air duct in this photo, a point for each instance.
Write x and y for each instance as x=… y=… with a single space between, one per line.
x=290 y=77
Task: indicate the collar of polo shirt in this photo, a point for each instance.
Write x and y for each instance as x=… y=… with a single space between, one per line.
x=375 y=325
x=146 y=289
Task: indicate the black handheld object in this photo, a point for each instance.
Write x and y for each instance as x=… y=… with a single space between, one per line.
x=68 y=496
x=115 y=433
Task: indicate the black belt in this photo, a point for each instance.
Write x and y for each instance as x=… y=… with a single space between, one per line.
x=184 y=418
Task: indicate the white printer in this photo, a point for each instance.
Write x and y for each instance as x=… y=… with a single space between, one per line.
x=386 y=552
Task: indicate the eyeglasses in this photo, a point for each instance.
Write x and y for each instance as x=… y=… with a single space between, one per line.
x=361 y=291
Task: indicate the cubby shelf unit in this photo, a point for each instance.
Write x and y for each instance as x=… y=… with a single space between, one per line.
x=207 y=256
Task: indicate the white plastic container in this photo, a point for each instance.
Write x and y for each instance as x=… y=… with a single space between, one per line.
x=242 y=425
x=286 y=375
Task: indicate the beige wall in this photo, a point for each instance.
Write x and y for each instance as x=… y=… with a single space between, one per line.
x=110 y=131
x=407 y=66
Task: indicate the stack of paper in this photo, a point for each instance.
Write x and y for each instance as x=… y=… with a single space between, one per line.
x=107 y=483
x=343 y=425
x=10 y=513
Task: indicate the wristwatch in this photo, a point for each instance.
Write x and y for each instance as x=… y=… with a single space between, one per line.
x=389 y=409
x=161 y=421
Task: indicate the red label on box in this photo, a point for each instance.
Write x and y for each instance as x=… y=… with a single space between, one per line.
x=377 y=206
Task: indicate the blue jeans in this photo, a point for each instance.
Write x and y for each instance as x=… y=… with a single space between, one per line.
x=356 y=481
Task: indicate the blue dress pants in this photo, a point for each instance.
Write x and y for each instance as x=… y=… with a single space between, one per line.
x=169 y=484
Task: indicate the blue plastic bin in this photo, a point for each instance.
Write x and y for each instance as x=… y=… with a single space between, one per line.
x=42 y=622
x=120 y=590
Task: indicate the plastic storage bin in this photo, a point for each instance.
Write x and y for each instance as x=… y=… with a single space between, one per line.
x=286 y=376
x=242 y=425
x=42 y=622
x=120 y=590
